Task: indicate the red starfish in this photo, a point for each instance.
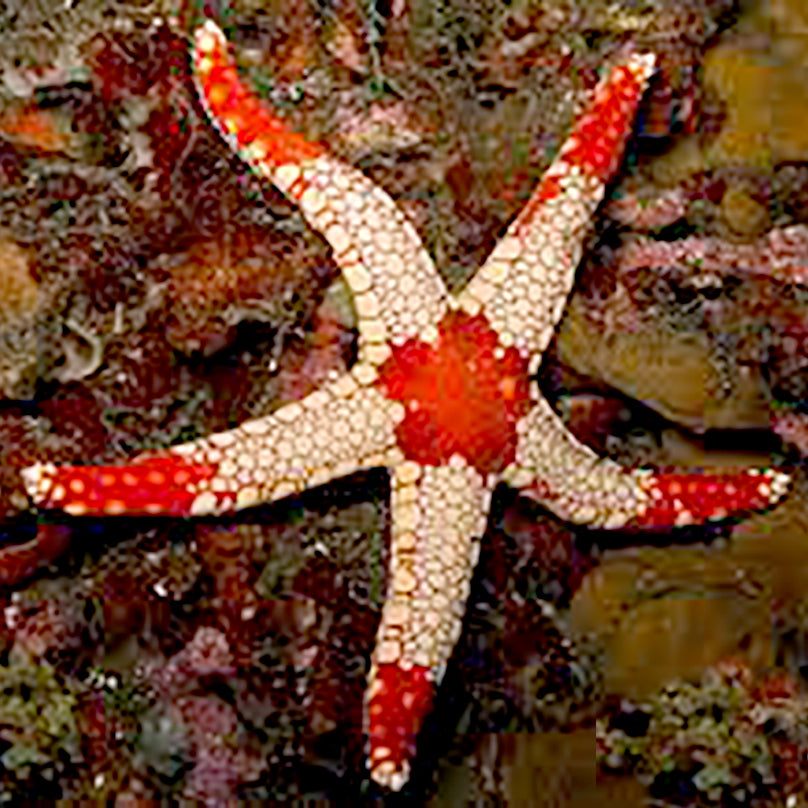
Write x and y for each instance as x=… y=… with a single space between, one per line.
x=441 y=394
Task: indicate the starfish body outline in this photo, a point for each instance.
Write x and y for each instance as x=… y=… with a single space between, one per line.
x=441 y=394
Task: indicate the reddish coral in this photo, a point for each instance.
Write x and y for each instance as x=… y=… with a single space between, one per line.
x=20 y=561
x=776 y=687
x=126 y=65
x=790 y=763
x=734 y=671
x=242 y=273
x=76 y=418
x=226 y=552
x=10 y=165
x=461 y=396
x=25 y=124
x=94 y=730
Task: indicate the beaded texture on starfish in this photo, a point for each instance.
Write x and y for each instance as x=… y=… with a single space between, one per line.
x=441 y=394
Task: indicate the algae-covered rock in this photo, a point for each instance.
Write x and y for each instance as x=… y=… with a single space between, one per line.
x=37 y=719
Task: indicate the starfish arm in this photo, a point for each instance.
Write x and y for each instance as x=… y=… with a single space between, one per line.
x=437 y=511
x=580 y=486
x=329 y=434
x=397 y=290
x=524 y=283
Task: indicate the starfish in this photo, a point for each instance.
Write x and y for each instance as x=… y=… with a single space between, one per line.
x=441 y=394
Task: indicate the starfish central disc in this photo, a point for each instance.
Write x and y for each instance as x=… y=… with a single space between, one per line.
x=463 y=394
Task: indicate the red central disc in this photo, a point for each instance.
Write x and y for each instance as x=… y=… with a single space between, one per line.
x=464 y=394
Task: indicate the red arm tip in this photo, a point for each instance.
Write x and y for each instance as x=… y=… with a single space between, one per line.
x=398 y=701
x=686 y=499
x=237 y=111
x=155 y=486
